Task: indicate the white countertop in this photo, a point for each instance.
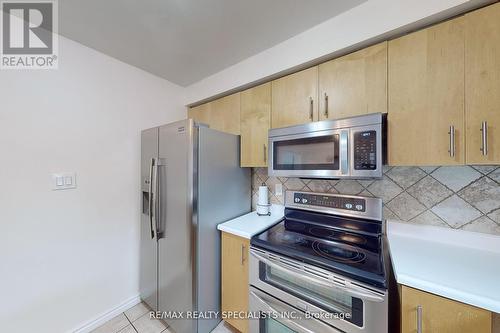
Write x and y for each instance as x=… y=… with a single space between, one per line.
x=460 y=265
x=251 y=224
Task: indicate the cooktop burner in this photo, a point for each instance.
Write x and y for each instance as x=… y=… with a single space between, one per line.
x=339 y=252
x=352 y=246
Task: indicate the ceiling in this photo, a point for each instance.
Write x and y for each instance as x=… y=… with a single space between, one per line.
x=185 y=41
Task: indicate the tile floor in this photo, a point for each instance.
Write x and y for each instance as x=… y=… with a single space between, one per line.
x=136 y=320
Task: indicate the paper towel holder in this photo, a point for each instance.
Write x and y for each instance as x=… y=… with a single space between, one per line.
x=263 y=208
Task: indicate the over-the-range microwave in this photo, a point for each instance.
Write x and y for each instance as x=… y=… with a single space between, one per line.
x=345 y=148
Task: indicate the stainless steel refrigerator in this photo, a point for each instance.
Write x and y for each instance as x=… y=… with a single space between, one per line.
x=191 y=181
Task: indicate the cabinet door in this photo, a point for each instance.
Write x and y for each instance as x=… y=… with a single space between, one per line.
x=200 y=113
x=440 y=315
x=294 y=98
x=482 y=84
x=426 y=96
x=354 y=84
x=255 y=123
x=235 y=277
x=225 y=114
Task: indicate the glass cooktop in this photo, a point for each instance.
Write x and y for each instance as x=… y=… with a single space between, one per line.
x=350 y=247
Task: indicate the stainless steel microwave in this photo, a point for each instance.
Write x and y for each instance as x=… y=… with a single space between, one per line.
x=344 y=148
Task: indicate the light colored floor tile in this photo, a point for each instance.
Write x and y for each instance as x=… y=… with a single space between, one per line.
x=113 y=325
x=128 y=329
x=148 y=325
x=223 y=327
x=136 y=311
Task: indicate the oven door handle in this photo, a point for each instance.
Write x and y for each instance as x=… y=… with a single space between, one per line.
x=293 y=325
x=351 y=289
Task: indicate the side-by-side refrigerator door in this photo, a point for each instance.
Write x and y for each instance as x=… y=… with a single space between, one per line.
x=148 y=283
x=175 y=230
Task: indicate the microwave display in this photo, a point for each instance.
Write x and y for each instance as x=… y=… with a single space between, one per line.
x=314 y=153
x=365 y=150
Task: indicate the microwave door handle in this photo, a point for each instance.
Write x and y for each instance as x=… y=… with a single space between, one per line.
x=302 y=275
x=297 y=327
x=344 y=152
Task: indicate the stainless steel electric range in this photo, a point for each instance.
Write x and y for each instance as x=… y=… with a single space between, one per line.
x=323 y=268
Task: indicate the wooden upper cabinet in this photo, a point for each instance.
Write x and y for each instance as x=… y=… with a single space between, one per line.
x=354 y=84
x=440 y=315
x=295 y=98
x=200 y=113
x=482 y=84
x=426 y=96
x=255 y=124
x=225 y=114
x=234 y=278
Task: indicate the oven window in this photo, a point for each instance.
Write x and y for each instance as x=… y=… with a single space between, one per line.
x=269 y=325
x=317 y=153
x=328 y=299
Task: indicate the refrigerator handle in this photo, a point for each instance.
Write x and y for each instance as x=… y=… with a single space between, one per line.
x=150 y=194
x=158 y=200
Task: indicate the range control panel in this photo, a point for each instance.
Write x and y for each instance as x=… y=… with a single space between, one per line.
x=365 y=150
x=330 y=201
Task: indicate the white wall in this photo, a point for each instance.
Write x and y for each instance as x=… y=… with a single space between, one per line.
x=69 y=256
x=369 y=21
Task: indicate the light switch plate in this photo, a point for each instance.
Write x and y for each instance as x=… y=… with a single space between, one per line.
x=278 y=189
x=63 y=181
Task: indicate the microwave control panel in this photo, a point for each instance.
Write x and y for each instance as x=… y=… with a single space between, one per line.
x=330 y=201
x=365 y=150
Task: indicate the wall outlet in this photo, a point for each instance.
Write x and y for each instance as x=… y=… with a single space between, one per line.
x=278 y=189
x=63 y=181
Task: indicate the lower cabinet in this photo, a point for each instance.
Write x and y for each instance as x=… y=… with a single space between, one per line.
x=235 y=278
x=422 y=312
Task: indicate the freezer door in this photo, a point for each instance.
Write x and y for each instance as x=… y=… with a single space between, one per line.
x=148 y=284
x=175 y=230
x=223 y=194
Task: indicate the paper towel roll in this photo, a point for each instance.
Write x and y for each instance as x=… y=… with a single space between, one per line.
x=263 y=196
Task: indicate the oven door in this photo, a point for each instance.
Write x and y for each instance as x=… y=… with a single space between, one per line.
x=276 y=316
x=341 y=303
x=320 y=154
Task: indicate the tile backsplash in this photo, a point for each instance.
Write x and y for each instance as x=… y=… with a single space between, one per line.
x=459 y=197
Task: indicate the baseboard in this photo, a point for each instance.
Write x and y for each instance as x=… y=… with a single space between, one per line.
x=101 y=319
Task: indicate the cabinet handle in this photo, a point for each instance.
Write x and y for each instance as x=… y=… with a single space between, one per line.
x=452 y=141
x=326 y=106
x=242 y=254
x=419 y=319
x=484 y=138
x=265 y=153
x=311 y=106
